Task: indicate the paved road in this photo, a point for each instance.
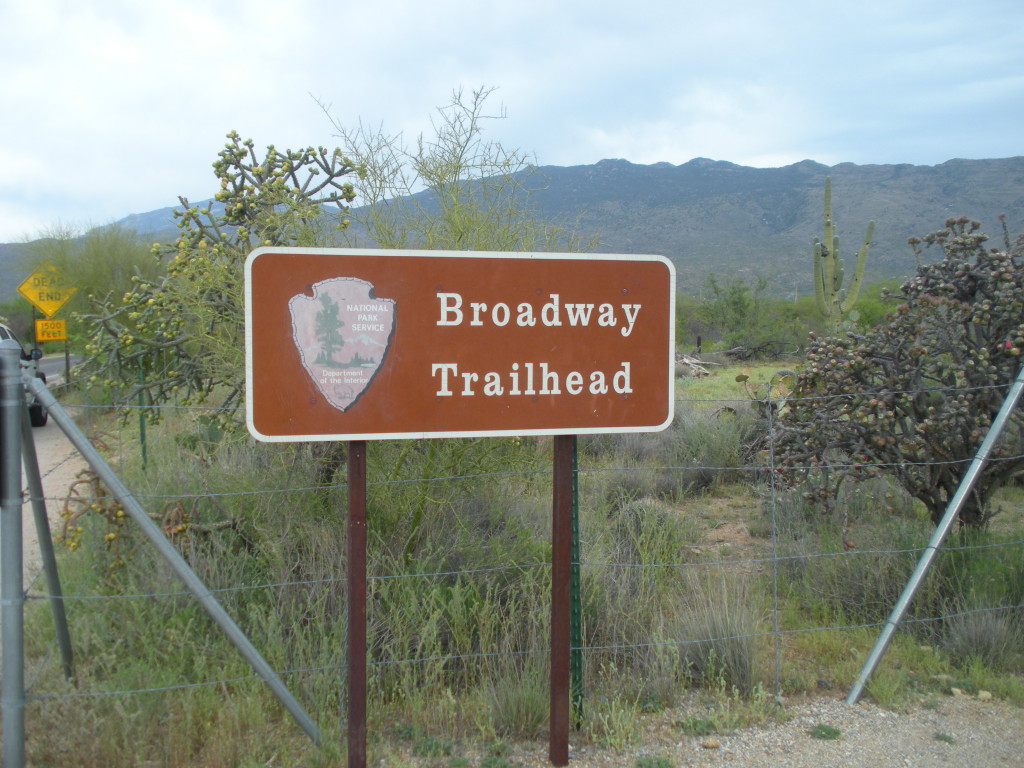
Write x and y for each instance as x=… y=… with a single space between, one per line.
x=55 y=367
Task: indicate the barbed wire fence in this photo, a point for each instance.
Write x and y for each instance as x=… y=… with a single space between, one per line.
x=777 y=555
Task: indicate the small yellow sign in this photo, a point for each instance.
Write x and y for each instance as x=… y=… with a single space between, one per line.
x=51 y=330
x=46 y=290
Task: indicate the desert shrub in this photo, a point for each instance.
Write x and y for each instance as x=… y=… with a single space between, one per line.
x=613 y=719
x=853 y=563
x=633 y=555
x=659 y=678
x=737 y=315
x=418 y=487
x=993 y=636
x=983 y=565
x=718 y=632
x=519 y=697
x=647 y=761
x=850 y=585
x=711 y=444
x=847 y=572
x=702 y=450
x=797 y=512
x=915 y=396
x=626 y=485
x=647 y=533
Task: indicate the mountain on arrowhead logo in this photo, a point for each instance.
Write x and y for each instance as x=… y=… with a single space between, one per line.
x=342 y=333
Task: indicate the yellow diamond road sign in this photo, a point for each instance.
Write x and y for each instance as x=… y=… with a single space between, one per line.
x=47 y=290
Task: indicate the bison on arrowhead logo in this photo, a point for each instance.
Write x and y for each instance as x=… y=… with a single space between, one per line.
x=342 y=333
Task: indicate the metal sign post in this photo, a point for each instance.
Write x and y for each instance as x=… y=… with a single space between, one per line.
x=561 y=571
x=356 y=571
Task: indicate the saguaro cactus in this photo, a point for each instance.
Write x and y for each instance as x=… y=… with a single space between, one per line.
x=833 y=300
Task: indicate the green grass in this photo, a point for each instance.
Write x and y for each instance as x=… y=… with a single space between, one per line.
x=722 y=388
x=653 y=762
x=824 y=732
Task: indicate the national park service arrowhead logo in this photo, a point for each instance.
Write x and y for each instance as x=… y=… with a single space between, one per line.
x=342 y=333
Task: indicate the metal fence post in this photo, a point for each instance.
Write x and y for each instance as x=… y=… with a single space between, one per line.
x=45 y=539
x=12 y=594
x=941 y=531
x=178 y=563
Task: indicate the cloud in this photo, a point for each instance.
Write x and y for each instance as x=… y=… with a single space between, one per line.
x=121 y=106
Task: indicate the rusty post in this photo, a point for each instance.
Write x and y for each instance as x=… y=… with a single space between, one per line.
x=561 y=571
x=356 y=568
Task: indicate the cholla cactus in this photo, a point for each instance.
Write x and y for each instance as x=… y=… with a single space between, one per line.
x=833 y=301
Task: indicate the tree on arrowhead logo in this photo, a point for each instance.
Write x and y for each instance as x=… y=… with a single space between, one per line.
x=342 y=333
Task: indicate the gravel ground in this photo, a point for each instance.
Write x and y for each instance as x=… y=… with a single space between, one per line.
x=962 y=731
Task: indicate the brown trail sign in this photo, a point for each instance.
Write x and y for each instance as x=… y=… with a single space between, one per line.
x=370 y=344
x=358 y=345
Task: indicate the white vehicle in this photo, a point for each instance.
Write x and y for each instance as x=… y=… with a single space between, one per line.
x=36 y=413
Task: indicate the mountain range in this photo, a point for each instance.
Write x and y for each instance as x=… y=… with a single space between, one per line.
x=716 y=217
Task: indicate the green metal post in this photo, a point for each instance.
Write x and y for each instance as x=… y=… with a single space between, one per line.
x=575 y=602
x=142 y=415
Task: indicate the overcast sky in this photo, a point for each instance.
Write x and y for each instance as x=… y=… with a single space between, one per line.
x=113 y=107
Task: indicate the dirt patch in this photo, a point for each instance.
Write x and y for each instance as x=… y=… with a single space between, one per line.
x=724 y=522
x=59 y=465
